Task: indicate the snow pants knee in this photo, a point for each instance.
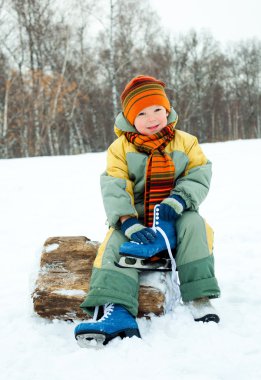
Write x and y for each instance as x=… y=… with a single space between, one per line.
x=194 y=259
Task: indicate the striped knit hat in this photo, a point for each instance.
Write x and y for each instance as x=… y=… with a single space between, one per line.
x=141 y=92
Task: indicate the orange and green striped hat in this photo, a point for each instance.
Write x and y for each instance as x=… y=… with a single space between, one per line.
x=141 y=92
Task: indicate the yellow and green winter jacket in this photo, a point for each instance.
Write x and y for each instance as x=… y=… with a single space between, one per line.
x=123 y=182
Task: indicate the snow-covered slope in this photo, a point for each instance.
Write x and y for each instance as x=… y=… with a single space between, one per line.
x=50 y=196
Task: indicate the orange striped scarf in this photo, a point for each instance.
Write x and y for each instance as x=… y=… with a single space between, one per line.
x=160 y=168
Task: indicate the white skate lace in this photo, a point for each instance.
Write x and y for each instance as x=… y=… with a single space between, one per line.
x=174 y=276
x=107 y=310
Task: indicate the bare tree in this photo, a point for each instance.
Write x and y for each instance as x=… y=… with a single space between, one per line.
x=246 y=65
x=60 y=82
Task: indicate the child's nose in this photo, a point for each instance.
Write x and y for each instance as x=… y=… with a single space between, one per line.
x=151 y=117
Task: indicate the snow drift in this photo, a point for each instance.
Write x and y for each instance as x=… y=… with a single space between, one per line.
x=50 y=196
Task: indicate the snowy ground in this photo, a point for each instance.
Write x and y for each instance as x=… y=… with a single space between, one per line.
x=50 y=196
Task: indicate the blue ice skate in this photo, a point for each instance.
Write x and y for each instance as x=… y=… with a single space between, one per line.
x=116 y=321
x=146 y=256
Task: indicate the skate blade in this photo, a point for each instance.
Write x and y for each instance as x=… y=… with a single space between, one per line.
x=161 y=264
x=91 y=340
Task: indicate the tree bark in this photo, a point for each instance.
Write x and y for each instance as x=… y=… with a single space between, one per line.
x=64 y=276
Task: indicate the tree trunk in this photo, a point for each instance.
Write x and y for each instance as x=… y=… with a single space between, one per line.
x=112 y=69
x=64 y=276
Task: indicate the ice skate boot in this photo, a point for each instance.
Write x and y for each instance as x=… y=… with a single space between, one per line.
x=116 y=321
x=150 y=256
x=202 y=310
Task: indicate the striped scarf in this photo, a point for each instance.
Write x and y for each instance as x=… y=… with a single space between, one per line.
x=159 y=170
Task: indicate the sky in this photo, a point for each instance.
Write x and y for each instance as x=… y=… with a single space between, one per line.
x=227 y=20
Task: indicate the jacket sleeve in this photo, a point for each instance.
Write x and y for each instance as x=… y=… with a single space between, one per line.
x=193 y=185
x=116 y=187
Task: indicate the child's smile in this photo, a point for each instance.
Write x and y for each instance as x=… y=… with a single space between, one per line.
x=154 y=127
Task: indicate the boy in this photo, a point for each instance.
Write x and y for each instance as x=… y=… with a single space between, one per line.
x=150 y=163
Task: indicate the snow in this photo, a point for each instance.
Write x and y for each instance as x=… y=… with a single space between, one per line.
x=67 y=292
x=51 y=247
x=59 y=196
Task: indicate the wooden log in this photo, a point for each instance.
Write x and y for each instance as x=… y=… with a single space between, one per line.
x=64 y=276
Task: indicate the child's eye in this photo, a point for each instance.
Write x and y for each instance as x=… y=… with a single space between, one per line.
x=141 y=114
x=157 y=109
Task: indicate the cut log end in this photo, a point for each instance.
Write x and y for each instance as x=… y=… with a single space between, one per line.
x=64 y=276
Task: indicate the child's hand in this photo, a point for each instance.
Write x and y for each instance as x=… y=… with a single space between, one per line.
x=171 y=208
x=137 y=232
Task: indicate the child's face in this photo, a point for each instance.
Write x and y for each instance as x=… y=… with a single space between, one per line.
x=151 y=120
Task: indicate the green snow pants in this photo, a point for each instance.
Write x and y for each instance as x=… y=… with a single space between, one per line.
x=194 y=260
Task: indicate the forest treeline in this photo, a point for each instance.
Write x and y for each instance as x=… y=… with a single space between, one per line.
x=60 y=82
